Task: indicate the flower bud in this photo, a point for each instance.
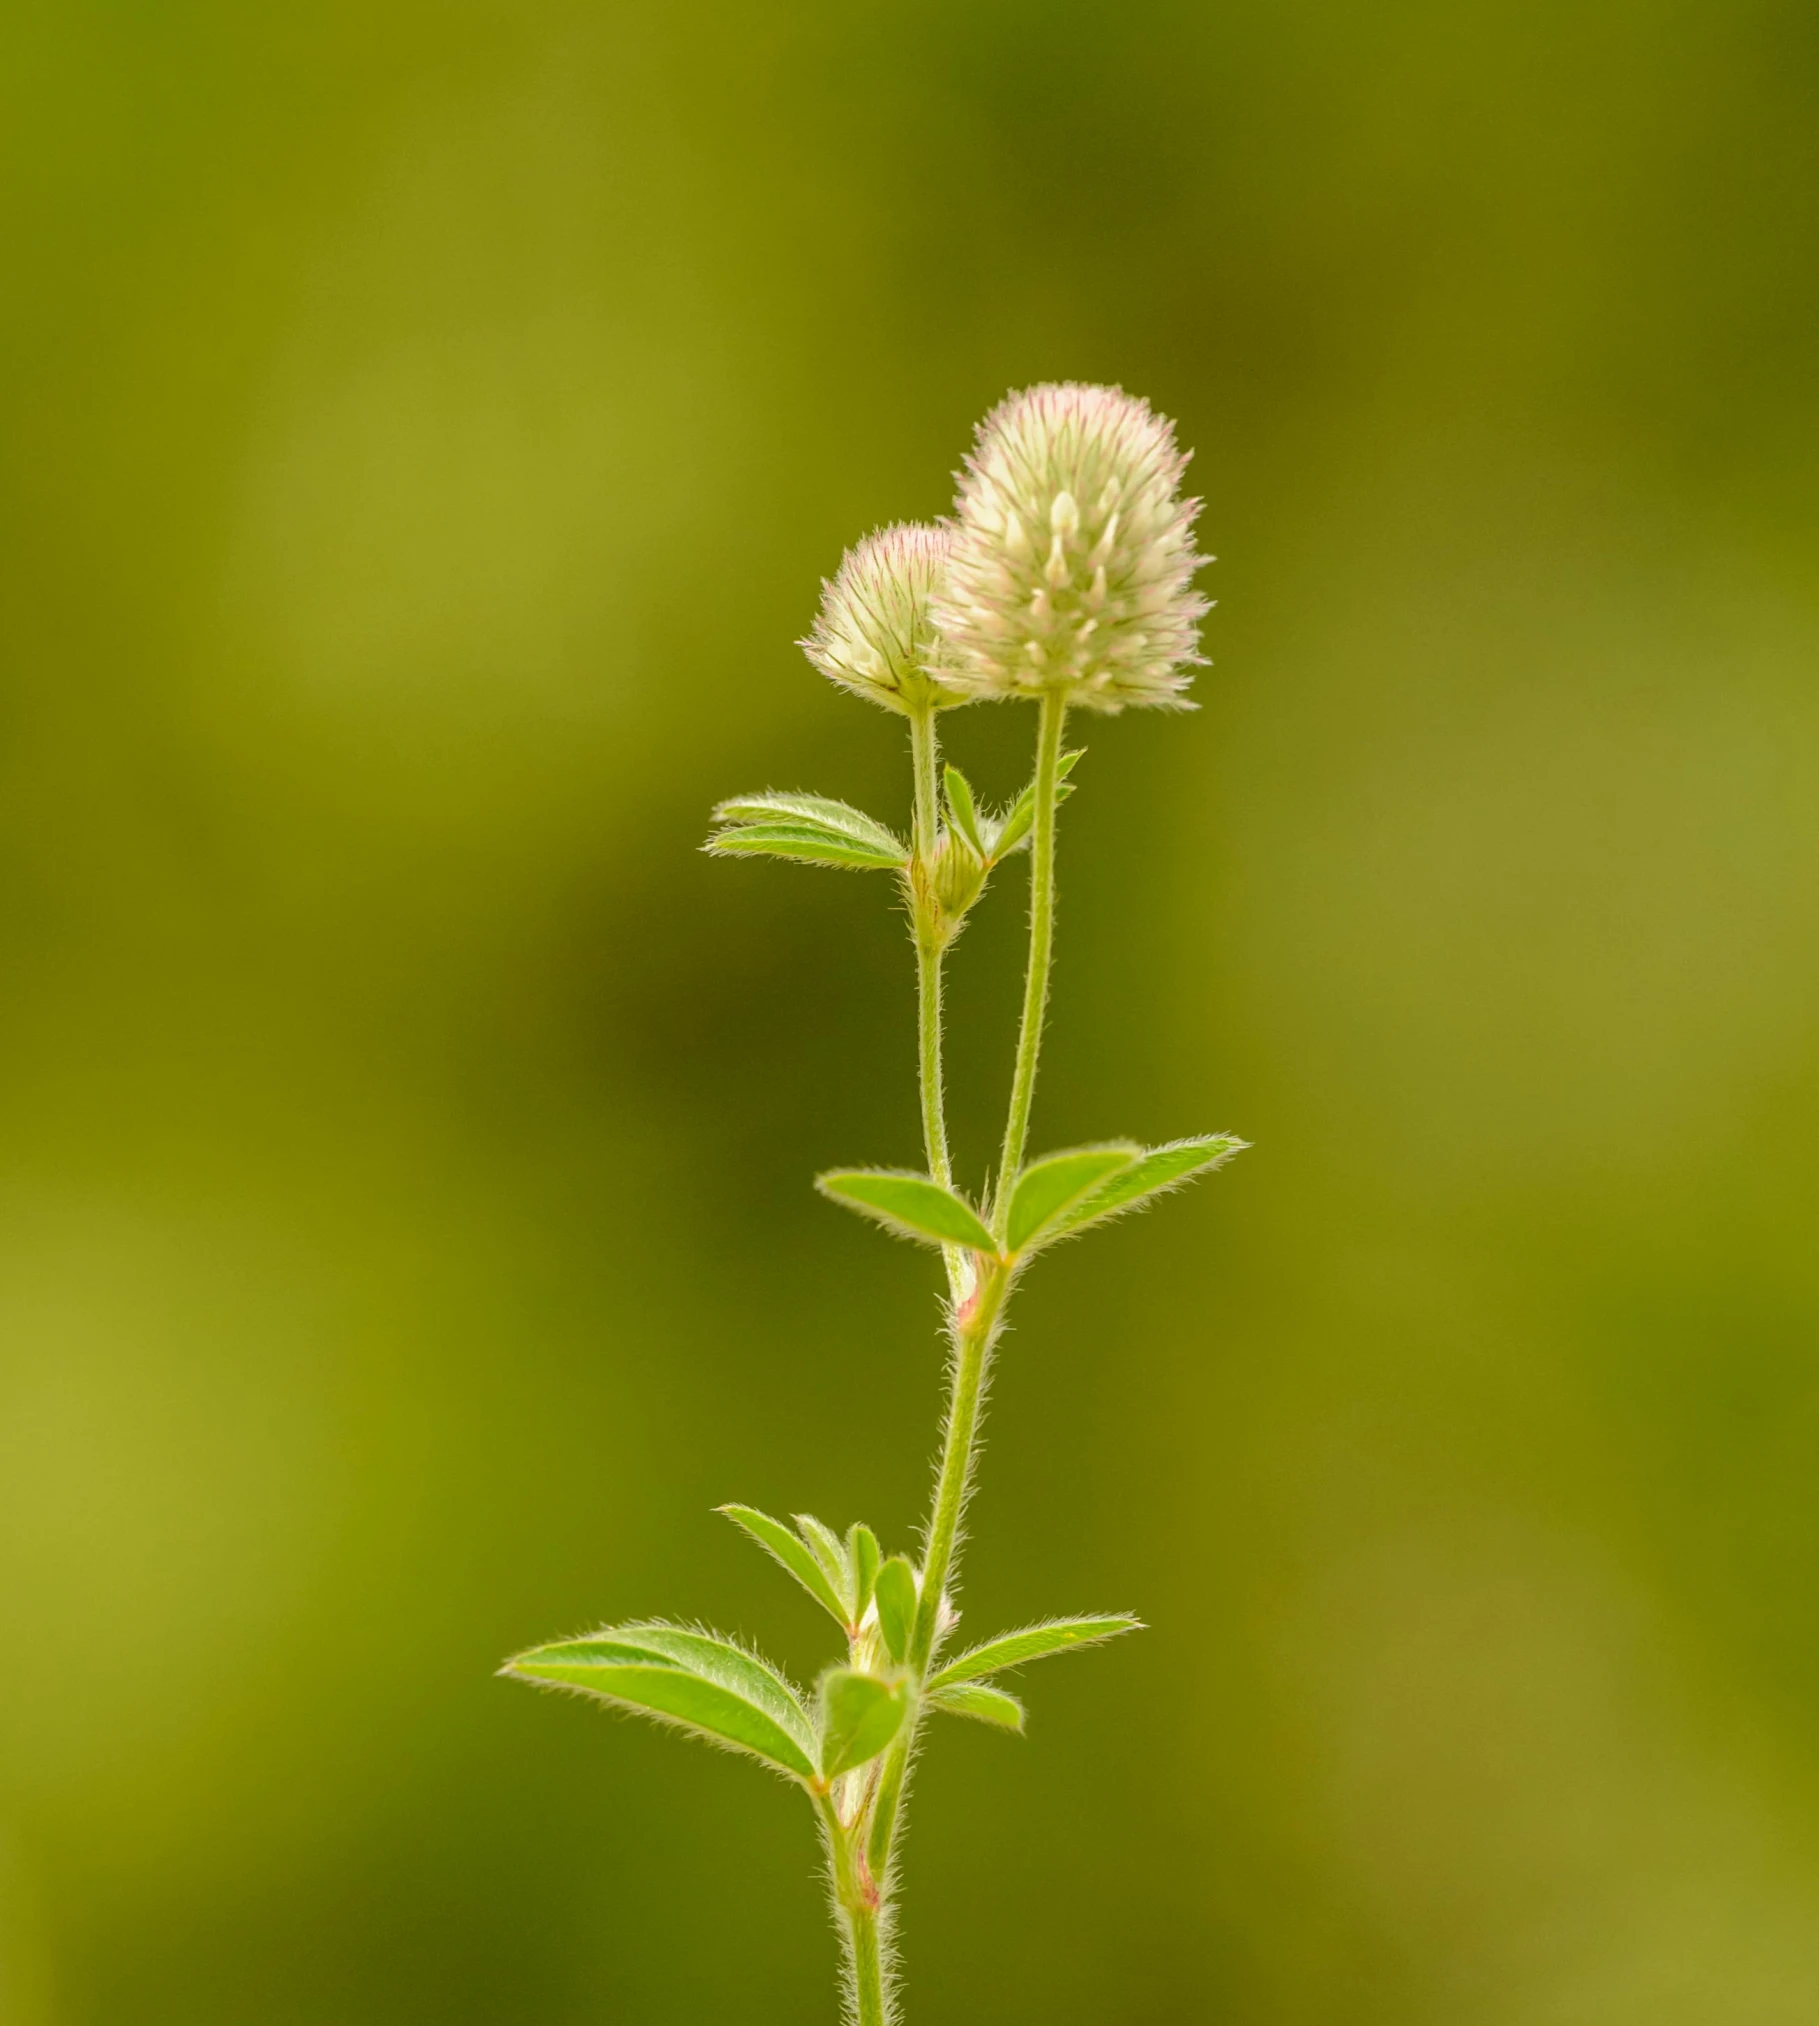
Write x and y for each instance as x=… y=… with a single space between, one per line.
x=1073 y=559
x=954 y=882
x=873 y=634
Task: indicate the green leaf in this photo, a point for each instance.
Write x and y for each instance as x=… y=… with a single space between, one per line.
x=973 y=1698
x=1050 y=1186
x=863 y=1557
x=1013 y=827
x=801 y=842
x=818 y=811
x=1153 y=1174
x=859 y=1716
x=895 y=1595
x=695 y=1681
x=963 y=809
x=785 y=1547
x=913 y=1206
x=830 y=1551
x=1034 y=1642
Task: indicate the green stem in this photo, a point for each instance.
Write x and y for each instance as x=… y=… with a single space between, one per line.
x=977 y=1314
x=860 y=1915
x=1042 y=937
x=929 y=951
x=928 y=808
x=869 y=2003
x=978 y=1307
x=975 y=1329
x=928 y=948
x=934 y=1120
x=881 y=1844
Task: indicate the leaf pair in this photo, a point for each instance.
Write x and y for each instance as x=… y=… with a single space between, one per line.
x=959 y=1687
x=1064 y=1193
x=703 y=1684
x=994 y=837
x=1054 y=1197
x=807 y=828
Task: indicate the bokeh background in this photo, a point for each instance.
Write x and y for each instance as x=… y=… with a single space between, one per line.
x=426 y=426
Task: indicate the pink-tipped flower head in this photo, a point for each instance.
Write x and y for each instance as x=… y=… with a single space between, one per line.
x=1073 y=556
x=873 y=634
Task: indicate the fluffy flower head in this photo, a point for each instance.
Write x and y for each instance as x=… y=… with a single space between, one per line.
x=1073 y=556
x=873 y=634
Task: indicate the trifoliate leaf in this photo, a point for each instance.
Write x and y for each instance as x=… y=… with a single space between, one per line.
x=695 y=1681
x=1049 y=1187
x=859 y=1716
x=913 y=1206
x=1153 y=1174
x=974 y=1699
x=793 y=1553
x=1034 y=1642
x=863 y=1557
x=895 y=1596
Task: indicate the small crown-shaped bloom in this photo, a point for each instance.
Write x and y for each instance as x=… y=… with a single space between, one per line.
x=873 y=634
x=1073 y=557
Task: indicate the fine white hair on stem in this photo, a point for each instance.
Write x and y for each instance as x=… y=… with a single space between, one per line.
x=1073 y=558
x=944 y=1623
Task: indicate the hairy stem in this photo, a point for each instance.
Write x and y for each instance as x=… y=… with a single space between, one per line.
x=978 y=1306
x=871 y=2007
x=975 y=1329
x=856 y=1901
x=881 y=1842
x=1042 y=938
x=929 y=951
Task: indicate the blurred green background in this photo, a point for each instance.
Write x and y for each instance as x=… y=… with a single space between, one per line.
x=426 y=427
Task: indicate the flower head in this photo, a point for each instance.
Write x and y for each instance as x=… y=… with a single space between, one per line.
x=873 y=634
x=1073 y=558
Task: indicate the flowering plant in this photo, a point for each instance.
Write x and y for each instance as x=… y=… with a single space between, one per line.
x=1065 y=578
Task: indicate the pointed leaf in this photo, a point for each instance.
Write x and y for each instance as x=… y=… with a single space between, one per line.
x=895 y=1595
x=963 y=809
x=913 y=1206
x=818 y=810
x=1153 y=1174
x=859 y=1716
x=974 y=1699
x=830 y=1551
x=1034 y=1642
x=863 y=1557
x=787 y=1548
x=1014 y=825
x=1052 y=1185
x=717 y=1658
x=691 y=1680
x=801 y=842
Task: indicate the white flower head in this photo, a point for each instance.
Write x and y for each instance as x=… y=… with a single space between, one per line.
x=1073 y=556
x=873 y=634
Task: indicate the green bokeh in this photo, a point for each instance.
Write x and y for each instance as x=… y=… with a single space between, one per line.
x=426 y=426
